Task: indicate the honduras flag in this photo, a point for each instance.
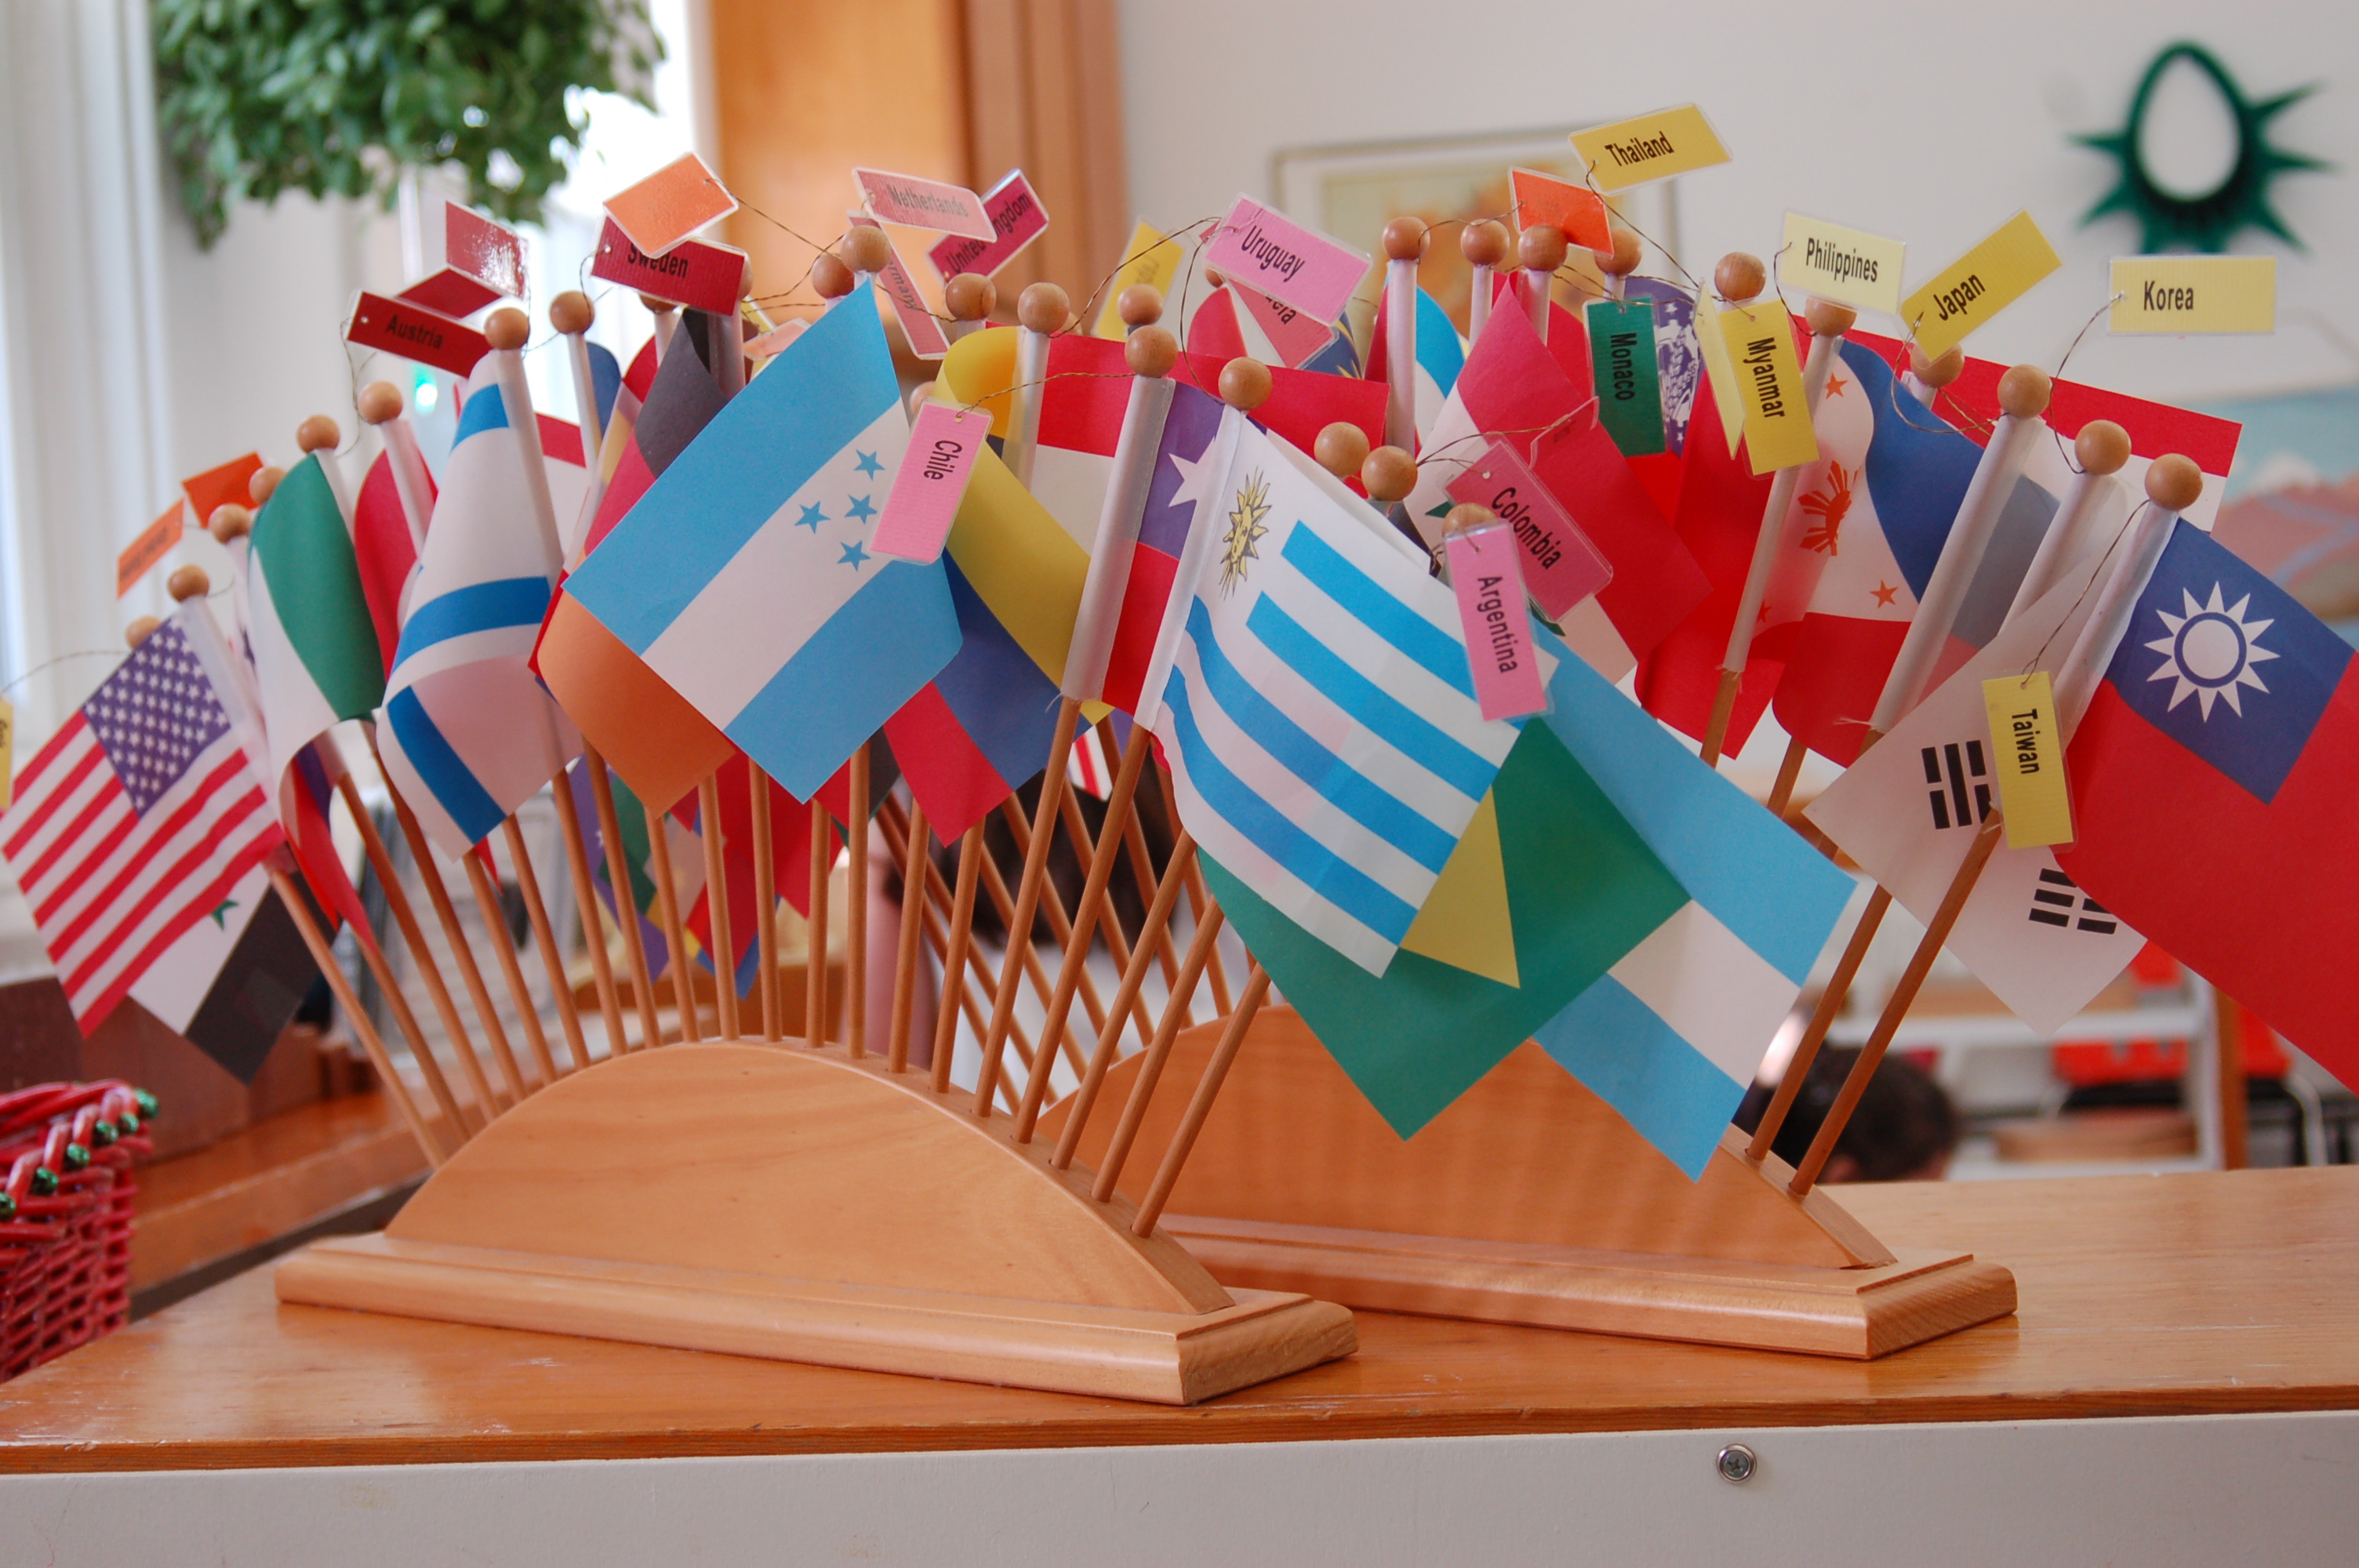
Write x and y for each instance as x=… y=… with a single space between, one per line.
x=1318 y=710
x=1440 y=355
x=743 y=578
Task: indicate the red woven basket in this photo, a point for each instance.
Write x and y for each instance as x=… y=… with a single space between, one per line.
x=65 y=1216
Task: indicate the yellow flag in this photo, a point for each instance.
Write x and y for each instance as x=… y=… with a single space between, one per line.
x=1465 y=922
x=1150 y=258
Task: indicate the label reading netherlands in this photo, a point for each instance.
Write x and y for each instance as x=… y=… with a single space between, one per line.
x=7 y=752
x=1979 y=285
x=2031 y=790
x=1489 y=584
x=1758 y=340
x=1651 y=146
x=1846 y=266
x=1628 y=380
x=1150 y=258
x=2175 y=295
x=924 y=499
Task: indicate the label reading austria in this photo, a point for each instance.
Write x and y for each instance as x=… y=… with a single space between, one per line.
x=1758 y=339
x=1562 y=568
x=932 y=481
x=1292 y=265
x=1979 y=285
x=1486 y=576
x=1628 y=380
x=1652 y=147
x=1845 y=266
x=2187 y=295
x=1151 y=258
x=924 y=204
x=415 y=334
x=2031 y=790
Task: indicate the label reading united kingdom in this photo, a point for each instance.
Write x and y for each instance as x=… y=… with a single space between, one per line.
x=2031 y=790
x=1978 y=285
x=1757 y=340
x=1017 y=219
x=1846 y=266
x=1292 y=265
x=2189 y=294
x=1652 y=147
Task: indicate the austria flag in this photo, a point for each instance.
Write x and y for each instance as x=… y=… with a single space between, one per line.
x=2213 y=781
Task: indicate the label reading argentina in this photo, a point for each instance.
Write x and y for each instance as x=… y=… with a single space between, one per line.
x=2031 y=790
x=931 y=481
x=2187 y=295
x=1488 y=582
x=415 y=334
x=1017 y=218
x=1151 y=258
x=918 y=203
x=1845 y=266
x=1759 y=341
x=1652 y=147
x=1978 y=285
x=1624 y=370
x=1562 y=568
x=1292 y=265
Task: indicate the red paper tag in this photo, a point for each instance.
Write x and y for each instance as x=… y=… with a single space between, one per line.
x=1576 y=209
x=924 y=203
x=926 y=494
x=1017 y=219
x=223 y=485
x=154 y=542
x=671 y=204
x=1295 y=334
x=927 y=340
x=1562 y=568
x=481 y=260
x=415 y=333
x=694 y=273
x=1486 y=574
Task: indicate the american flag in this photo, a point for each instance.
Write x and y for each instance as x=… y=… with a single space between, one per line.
x=135 y=822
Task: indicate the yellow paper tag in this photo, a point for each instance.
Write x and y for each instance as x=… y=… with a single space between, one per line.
x=1652 y=147
x=1979 y=285
x=1720 y=376
x=1846 y=266
x=1149 y=258
x=2030 y=761
x=1758 y=343
x=7 y=752
x=2194 y=294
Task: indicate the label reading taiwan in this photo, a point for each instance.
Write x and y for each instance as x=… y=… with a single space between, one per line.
x=1759 y=342
x=1486 y=574
x=2175 y=295
x=1628 y=380
x=1978 y=285
x=1652 y=147
x=1562 y=568
x=2030 y=763
x=931 y=481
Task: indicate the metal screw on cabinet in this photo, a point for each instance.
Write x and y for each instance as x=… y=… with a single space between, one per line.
x=1737 y=1463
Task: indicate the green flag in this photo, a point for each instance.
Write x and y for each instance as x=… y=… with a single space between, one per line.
x=315 y=649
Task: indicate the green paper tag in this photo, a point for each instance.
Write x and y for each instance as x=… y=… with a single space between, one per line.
x=1629 y=384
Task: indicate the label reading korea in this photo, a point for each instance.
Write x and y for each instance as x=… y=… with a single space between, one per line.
x=1846 y=266
x=1292 y=265
x=1757 y=340
x=931 y=480
x=1488 y=579
x=1652 y=147
x=2188 y=294
x=1628 y=380
x=2030 y=763
x=1978 y=285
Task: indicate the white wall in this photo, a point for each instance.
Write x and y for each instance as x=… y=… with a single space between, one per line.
x=1928 y=123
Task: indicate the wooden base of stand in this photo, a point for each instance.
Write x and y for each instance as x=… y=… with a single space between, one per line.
x=773 y=1200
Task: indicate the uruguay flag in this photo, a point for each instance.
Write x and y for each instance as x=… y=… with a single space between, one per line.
x=743 y=578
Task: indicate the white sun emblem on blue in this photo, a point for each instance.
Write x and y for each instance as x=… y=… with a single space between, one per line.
x=2210 y=651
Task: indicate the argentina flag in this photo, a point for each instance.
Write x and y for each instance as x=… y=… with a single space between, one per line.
x=1318 y=710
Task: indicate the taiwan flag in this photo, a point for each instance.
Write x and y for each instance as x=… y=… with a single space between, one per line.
x=2213 y=782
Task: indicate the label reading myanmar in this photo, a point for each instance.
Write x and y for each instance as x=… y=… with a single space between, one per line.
x=1150 y=258
x=926 y=339
x=1628 y=380
x=415 y=334
x=1652 y=147
x=931 y=481
x=1562 y=568
x=7 y=752
x=918 y=203
x=693 y=273
x=1979 y=285
x=1292 y=265
x=1758 y=340
x=1579 y=211
x=1846 y=266
x=2175 y=295
x=2030 y=763
x=154 y=542
x=1018 y=219
x=1485 y=575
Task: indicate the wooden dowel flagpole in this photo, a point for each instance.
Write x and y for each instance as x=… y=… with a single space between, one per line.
x=572 y=315
x=1159 y=1052
x=381 y=405
x=937 y=900
x=487 y=903
x=969 y=873
x=1158 y=940
x=1199 y=1105
x=905 y=970
x=627 y=900
x=585 y=904
x=1028 y=891
x=1404 y=245
x=856 y=915
x=1118 y=941
x=667 y=322
x=544 y=938
x=2100 y=450
x=1102 y=1059
x=815 y=941
x=1041 y=312
x=1822 y=1019
x=1539 y=251
x=716 y=901
x=766 y=898
x=675 y=931
x=1199 y=901
x=1789 y=773
x=1052 y=903
x=1484 y=245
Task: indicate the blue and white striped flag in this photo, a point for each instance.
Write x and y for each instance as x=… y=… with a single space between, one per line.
x=1316 y=702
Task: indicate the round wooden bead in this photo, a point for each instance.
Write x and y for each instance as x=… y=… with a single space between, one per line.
x=1937 y=373
x=133 y=636
x=2023 y=392
x=970 y=297
x=264 y=484
x=1043 y=307
x=1141 y=305
x=657 y=306
x=1244 y=383
x=1465 y=516
x=1829 y=320
x=508 y=328
x=1484 y=242
x=1341 y=448
x=1542 y=248
x=316 y=433
x=230 y=521
x=866 y=249
x=1623 y=258
x=1739 y=277
x=2102 y=447
x=380 y=401
x=188 y=583
x=1389 y=475
x=1215 y=277
x=1151 y=352
x=830 y=278
x=1405 y=239
x=571 y=312
x=2173 y=482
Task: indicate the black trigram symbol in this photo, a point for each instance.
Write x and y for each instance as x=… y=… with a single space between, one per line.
x=2057 y=900
x=1960 y=784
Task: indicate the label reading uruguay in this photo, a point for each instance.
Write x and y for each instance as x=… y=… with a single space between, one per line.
x=1758 y=343
x=1979 y=285
x=926 y=339
x=1292 y=265
x=931 y=481
x=1577 y=211
x=1151 y=258
x=2187 y=295
x=415 y=334
x=1623 y=369
x=1485 y=575
x=1652 y=147
x=2031 y=765
x=918 y=203
x=1845 y=266
x=1562 y=568
x=1017 y=218
x=155 y=542
x=694 y=273
x=7 y=752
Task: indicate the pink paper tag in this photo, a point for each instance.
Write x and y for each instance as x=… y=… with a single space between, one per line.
x=692 y=273
x=1296 y=266
x=927 y=340
x=1562 y=568
x=1486 y=574
x=1293 y=333
x=924 y=203
x=1017 y=218
x=415 y=334
x=932 y=481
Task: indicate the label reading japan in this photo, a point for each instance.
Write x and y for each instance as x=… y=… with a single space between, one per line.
x=415 y=334
x=1562 y=568
x=693 y=273
x=1624 y=371
x=1292 y=265
x=1485 y=575
x=2185 y=295
x=1016 y=217
x=671 y=204
x=154 y=542
x=918 y=203
x=931 y=481
x=1151 y=258
x=926 y=339
x=1847 y=265
x=1652 y=147
x=1759 y=341
x=2030 y=763
x=1577 y=211
x=1979 y=285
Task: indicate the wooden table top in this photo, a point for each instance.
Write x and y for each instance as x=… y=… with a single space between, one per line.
x=2145 y=1295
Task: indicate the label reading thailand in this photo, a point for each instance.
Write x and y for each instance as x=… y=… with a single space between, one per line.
x=926 y=491
x=415 y=333
x=7 y=752
x=1576 y=209
x=2030 y=763
x=1487 y=577
x=1562 y=568
x=918 y=203
x=1295 y=265
x=671 y=204
x=154 y=542
x=1624 y=370
x=1978 y=285
x=926 y=339
x=2175 y=295
x=1652 y=147
x=1846 y=266
x=694 y=273
x=1017 y=219
x=1151 y=258
x=1294 y=334
x=1759 y=341
x=222 y=485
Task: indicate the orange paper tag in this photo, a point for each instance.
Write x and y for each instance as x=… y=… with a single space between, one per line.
x=1576 y=209
x=223 y=486
x=671 y=204
x=155 y=542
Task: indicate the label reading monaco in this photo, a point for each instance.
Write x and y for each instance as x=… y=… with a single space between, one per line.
x=1561 y=566
x=1628 y=378
x=1652 y=147
x=930 y=482
x=1979 y=285
x=1845 y=266
x=1759 y=339
x=1490 y=590
x=2031 y=792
